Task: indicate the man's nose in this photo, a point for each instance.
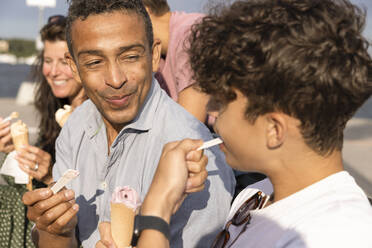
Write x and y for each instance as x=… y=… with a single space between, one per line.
x=116 y=76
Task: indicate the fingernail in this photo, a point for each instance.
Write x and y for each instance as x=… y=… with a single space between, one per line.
x=189 y=156
x=69 y=193
x=26 y=166
x=75 y=207
x=45 y=192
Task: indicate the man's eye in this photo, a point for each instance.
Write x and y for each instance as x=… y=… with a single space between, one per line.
x=93 y=63
x=130 y=58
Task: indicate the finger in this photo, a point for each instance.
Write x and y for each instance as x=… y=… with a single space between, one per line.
x=197 y=189
x=195 y=155
x=170 y=146
x=196 y=181
x=4 y=127
x=61 y=223
x=61 y=197
x=7 y=139
x=188 y=145
x=25 y=154
x=54 y=213
x=196 y=167
x=32 y=197
x=8 y=148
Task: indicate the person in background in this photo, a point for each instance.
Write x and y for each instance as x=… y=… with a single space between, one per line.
x=55 y=88
x=284 y=78
x=174 y=74
x=115 y=138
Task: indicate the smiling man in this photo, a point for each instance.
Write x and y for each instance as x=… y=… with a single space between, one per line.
x=116 y=137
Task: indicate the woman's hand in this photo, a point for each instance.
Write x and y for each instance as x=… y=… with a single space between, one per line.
x=36 y=163
x=6 y=143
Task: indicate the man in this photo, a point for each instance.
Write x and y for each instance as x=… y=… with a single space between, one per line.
x=115 y=138
x=284 y=79
x=174 y=74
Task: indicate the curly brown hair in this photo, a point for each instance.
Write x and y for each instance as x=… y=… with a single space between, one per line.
x=45 y=102
x=157 y=7
x=81 y=9
x=305 y=58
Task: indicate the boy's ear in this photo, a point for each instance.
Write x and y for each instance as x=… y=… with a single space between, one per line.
x=156 y=52
x=276 y=130
x=71 y=62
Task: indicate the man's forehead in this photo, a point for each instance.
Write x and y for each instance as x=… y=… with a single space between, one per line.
x=113 y=27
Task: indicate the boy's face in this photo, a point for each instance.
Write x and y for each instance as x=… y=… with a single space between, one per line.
x=244 y=142
x=114 y=63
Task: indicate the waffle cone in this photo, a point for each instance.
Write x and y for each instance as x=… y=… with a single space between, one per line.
x=122 y=222
x=19 y=134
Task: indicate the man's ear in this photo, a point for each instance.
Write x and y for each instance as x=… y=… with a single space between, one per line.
x=71 y=62
x=276 y=131
x=156 y=52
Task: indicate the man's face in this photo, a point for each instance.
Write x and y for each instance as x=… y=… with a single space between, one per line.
x=114 y=63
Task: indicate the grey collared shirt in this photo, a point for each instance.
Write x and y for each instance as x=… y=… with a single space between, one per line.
x=132 y=161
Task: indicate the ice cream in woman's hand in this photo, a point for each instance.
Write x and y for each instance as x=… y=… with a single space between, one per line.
x=62 y=114
x=124 y=204
x=19 y=133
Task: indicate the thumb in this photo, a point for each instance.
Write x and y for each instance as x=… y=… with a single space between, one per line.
x=188 y=145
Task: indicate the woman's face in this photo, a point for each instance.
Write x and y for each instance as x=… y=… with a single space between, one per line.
x=57 y=72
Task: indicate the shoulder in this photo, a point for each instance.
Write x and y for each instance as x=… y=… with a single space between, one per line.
x=175 y=122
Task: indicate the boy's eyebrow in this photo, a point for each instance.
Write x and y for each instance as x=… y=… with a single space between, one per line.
x=121 y=50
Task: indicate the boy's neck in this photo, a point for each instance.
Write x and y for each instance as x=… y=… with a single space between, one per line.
x=296 y=174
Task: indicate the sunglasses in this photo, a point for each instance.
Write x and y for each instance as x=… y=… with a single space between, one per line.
x=242 y=216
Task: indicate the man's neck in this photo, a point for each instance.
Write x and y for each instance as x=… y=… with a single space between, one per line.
x=293 y=176
x=112 y=132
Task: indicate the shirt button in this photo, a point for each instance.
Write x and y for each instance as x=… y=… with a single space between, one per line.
x=103 y=185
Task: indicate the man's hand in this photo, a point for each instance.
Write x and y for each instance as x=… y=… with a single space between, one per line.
x=106 y=237
x=181 y=170
x=54 y=214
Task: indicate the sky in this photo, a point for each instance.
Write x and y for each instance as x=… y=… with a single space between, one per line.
x=20 y=21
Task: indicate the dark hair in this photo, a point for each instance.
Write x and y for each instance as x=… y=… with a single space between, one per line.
x=45 y=102
x=157 y=7
x=305 y=58
x=81 y=9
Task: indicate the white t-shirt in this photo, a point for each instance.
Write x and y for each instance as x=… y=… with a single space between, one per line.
x=333 y=212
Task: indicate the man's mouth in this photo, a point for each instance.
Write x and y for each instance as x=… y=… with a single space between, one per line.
x=118 y=101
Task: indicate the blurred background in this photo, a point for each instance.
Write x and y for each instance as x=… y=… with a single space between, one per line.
x=20 y=21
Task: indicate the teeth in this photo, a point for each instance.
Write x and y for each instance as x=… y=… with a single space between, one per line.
x=58 y=83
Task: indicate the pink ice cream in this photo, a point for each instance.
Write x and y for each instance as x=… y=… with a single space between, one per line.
x=124 y=204
x=127 y=196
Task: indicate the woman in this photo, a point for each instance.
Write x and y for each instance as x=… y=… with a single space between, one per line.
x=56 y=87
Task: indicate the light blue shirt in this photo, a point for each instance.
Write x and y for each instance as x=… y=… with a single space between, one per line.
x=132 y=161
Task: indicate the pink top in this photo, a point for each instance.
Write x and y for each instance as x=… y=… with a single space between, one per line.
x=127 y=196
x=174 y=73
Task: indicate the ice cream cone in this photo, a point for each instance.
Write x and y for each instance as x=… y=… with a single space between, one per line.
x=62 y=115
x=19 y=133
x=122 y=222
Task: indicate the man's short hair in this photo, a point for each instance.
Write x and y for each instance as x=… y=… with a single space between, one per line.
x=305 y=58
x=81 y=9
x=157 y=7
